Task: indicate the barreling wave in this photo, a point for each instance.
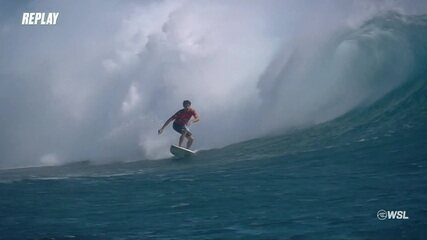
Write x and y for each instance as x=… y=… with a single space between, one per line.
x=350 y=68
x=396 y=108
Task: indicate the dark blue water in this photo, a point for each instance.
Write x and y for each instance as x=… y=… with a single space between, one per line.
x=323 y=182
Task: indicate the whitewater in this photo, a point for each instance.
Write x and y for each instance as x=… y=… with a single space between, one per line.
x=334 y=131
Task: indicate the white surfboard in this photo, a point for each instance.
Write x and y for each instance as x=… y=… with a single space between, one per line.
x=181 y=152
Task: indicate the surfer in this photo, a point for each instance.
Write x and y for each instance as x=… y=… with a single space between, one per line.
x=181 y=123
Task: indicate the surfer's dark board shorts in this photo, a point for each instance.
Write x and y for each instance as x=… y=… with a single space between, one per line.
x=179 y=128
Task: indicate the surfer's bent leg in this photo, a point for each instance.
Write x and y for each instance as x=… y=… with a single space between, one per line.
x=189 y=137
x=181 y=138
x=181 y=130
x=189 y=140
x=185 y=133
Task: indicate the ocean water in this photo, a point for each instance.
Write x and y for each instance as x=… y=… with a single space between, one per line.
x=327 y=181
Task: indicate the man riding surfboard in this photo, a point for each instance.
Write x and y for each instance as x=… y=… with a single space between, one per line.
x=181 y=121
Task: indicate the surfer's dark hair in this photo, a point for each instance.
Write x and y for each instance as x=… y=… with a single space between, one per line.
x=186 y=102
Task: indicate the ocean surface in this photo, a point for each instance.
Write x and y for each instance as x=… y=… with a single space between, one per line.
x=327 y=181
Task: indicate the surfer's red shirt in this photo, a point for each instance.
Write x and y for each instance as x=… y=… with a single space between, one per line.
x=182 y=117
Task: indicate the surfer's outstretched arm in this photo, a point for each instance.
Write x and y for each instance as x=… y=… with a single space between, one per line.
x=166 y=124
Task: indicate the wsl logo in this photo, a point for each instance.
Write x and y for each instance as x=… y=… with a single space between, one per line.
x=39 y=18
x=383 y=215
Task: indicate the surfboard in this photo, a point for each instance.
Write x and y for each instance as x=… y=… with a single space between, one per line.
x=181 y=152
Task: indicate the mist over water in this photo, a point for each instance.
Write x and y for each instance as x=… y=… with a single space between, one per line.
x=100 y=83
